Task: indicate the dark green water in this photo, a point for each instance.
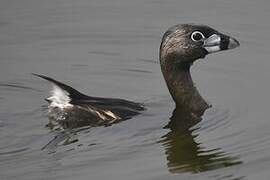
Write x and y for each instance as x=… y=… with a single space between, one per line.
x=110 y=48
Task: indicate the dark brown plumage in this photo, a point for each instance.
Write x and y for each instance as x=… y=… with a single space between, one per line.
x=181 y=45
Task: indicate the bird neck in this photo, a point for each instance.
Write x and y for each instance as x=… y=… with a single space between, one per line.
x=179 y=81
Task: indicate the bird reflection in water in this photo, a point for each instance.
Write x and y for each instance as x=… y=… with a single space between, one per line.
x=184 y=154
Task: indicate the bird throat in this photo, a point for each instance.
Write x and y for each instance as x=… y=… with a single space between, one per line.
x=181 y=87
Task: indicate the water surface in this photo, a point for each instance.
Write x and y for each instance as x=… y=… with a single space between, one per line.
x=110 y=48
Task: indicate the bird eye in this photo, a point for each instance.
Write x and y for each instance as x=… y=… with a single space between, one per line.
x=197 y=36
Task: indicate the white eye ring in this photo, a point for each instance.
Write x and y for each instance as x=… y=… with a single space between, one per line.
x=197 y=36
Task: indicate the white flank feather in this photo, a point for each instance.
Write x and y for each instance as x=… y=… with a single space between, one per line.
x=59 y=98
x=111 y=114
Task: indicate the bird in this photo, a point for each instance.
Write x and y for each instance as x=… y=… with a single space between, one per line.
x=180 y=47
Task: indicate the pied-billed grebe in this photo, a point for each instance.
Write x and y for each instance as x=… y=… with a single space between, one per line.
x=181 y=45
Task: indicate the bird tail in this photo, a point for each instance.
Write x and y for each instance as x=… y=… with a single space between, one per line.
x=62 y=95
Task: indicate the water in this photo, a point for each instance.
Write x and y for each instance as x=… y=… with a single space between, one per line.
x=110 y=48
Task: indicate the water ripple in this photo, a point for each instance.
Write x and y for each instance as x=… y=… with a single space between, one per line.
x=16 y=151
x=17 y=86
